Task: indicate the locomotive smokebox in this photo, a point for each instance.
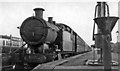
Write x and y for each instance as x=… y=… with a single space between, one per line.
x=39 y=12
x=35 y=30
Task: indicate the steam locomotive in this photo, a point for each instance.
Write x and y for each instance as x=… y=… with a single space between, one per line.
x=46 y=40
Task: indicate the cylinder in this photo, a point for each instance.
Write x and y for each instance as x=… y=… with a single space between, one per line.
x=39 y=12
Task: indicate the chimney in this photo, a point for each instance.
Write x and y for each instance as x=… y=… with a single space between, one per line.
x=39 y=12
x=50 y=19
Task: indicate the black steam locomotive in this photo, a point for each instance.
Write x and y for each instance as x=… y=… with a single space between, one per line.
x=47 y=41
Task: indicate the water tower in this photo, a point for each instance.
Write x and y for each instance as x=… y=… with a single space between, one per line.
x=105 y=24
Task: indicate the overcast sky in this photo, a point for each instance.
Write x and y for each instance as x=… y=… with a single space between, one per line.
x=78 y=15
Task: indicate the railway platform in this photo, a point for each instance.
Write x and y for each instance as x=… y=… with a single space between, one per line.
x=75 y=63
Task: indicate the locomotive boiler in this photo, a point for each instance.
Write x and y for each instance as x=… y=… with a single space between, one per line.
x=46 y=40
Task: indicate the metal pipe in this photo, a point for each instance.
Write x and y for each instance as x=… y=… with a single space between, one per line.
x=39 y=12
x=107 y=60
